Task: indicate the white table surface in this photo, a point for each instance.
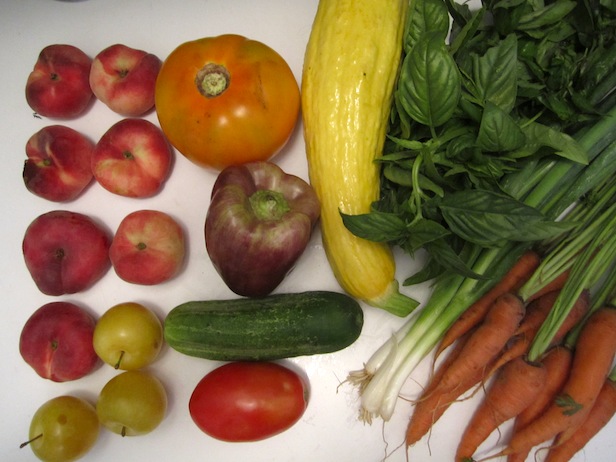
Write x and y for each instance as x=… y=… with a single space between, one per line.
x=329 y=431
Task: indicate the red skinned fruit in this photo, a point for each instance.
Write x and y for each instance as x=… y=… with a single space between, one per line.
x=148 y=248
x=59 y=86
x=124 y=79
x=56 y=342
x=248 y=401
x=58 y=167
x=65 y=252
x=132 y=159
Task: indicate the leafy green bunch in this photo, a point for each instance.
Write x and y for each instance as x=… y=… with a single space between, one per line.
x=484 y=99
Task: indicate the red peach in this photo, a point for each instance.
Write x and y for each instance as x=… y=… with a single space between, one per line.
x=57 y=342
x=58 y=167
x=148 y=248
x=65 y=252
x=133 y=158
x=124 y=78
x=59 y=85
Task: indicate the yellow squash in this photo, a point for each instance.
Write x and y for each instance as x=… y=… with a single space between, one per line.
x=349 y=74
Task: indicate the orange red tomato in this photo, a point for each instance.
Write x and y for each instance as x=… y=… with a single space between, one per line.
x=226 y=100
x=248 y=401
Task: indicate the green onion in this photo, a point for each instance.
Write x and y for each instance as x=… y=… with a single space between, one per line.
x=453 y=293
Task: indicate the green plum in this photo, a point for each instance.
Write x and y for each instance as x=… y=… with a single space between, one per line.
x=63 y=429
x=132 y=403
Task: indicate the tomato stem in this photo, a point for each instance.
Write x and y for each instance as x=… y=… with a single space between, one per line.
x=212 y=80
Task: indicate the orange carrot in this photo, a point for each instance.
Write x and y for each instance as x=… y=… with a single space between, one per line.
x=601 y=413
x=513 y=390
x=554 y=285
x=431 y=406
x=577 y=312
x=536 y=312
x=519 y=273
x=592 y=359
x=450 y=358
x=427 y=411
x=487 y=340
x=557 y=363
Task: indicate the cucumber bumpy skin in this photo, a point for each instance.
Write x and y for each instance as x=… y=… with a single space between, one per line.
x=257 y=329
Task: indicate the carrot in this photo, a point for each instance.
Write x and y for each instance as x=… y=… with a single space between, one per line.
x=592 y=360
x=427 y=411
x=538 y=310
x=554 y=285
x=557 y=363
x=536 y=313
x=601 y=413
x=517 y=275
x=513 y=390
x=486 y=342
x=450 y=358
x=432 y=405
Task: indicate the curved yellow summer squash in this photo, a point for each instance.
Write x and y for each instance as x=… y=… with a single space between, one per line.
x=350 y=69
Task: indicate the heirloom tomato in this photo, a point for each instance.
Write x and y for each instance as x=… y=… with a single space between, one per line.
x=226 y=100
x=248 y=401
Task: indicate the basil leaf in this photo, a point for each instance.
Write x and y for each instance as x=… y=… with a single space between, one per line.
x=507 y=14
x=498 y=131
x=427 y=16
x=447 y=258
x=495 y=74
x=548 y=15
x=491 y=219
x=538 y=135
x=398 y=175
x=468 y=31
x=428 y=272
x=430 y=83
x=609 y=4
x=423 y=232
x=407 y=144
x=375 y=226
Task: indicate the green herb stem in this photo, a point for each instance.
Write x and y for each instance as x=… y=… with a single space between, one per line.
x=561 y=256
x=591 y=265
x=520 y=183
x=549 y=195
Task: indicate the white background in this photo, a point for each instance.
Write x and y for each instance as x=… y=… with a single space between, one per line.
x=329 y=430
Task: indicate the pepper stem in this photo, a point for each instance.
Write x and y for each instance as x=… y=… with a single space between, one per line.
x=268 y=205
x=212 y=79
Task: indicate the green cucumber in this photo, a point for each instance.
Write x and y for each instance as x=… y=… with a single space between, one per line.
x=257 y=329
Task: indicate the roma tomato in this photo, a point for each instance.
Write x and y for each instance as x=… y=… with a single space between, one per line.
x=226 y=100
x=248 y=401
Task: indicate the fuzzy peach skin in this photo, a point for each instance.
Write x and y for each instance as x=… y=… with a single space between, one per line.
x=58 y=164
x=148 y=248
x=65 y=252
x=59 y=85
x=132 y=159
x=124 y=78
